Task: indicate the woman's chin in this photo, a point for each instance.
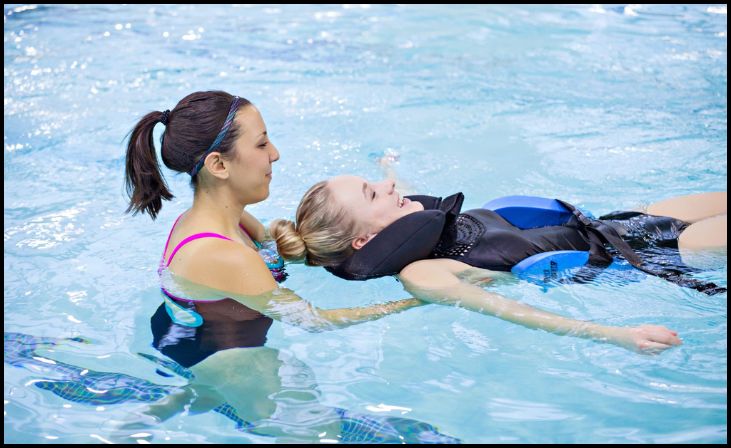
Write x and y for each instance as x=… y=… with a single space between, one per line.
x=263 y=195
x=415 y=206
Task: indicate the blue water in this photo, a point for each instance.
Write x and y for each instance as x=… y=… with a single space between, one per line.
x=608 y=108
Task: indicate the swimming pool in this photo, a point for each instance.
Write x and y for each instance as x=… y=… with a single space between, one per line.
x=605 y=107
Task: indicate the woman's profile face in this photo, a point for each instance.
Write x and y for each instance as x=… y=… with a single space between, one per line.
x=373 y=205
x=251 y=169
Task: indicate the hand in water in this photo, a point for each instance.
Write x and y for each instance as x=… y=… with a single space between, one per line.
x=386 y=158
x=648 y=339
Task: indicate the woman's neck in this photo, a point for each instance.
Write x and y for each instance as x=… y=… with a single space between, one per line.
x=219 y=207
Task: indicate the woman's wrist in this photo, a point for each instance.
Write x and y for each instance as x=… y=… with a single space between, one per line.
x=615 y=335
x=405 y=304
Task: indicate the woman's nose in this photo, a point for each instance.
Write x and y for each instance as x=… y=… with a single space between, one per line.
x=388 y=186
x=274 y=156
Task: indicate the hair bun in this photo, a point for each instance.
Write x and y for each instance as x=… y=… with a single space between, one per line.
x=290 y=244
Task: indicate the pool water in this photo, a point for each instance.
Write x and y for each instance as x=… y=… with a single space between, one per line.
x=606 y=107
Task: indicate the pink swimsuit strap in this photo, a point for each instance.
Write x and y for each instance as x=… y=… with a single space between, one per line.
x=192 y=238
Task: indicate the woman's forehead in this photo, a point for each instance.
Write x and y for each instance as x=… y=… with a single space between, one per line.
x=346 y=189
x=250 y=122
x=347 y=180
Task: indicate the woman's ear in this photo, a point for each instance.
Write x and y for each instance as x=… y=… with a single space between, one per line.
x=216 y=165
x=361 y=241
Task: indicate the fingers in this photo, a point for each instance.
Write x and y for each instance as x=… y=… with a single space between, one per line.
x=653 y=347
x=661 y=334
x=675 y=340
x=666 y=338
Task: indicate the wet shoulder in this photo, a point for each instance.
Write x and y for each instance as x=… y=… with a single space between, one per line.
x=224 y=265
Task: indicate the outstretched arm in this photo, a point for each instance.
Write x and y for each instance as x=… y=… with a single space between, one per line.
x=288 y=307
x=236 y=272
x=438 y=281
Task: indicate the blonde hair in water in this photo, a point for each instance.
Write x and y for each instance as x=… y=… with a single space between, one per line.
x=323 y=233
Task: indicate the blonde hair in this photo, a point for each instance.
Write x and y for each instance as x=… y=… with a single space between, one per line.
x=323 y=233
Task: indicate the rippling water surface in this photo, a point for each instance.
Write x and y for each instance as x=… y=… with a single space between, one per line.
x=607 y=107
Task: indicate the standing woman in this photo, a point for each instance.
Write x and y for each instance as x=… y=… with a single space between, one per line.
x=221 y=141
x=219 y=281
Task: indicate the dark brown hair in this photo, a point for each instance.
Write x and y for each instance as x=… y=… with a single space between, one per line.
x=191 y=128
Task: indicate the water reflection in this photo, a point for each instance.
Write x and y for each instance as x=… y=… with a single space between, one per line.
x=231 y=366
x=264 y=391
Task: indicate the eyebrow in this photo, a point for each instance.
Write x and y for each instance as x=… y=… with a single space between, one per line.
x=364 y=189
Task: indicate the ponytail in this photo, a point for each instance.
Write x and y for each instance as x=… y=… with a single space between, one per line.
x=144 y=183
